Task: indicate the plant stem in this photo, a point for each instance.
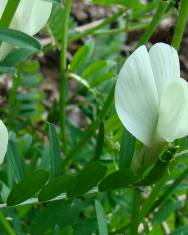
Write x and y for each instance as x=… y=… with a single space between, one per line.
x=170 y=189
x=63 y=68
x=135 y=211
x=154 y=23
x=180 y=25
x=103 y=23
x=150 y=205
x=8 y=13
x=153 y=195
x=6 y=226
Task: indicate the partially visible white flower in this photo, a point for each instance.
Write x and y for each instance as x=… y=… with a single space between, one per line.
x=3 y=141
x=30 y=17
x=150 y=97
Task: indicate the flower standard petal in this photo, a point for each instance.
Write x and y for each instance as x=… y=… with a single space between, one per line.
x=165 y=65
x=3 y=141
x=173 y=111
x=136 y=98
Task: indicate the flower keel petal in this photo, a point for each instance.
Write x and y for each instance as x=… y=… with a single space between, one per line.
x=173 y=111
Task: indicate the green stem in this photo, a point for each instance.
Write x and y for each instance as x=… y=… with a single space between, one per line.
x=153 y=195
x=63 y=68
x=150 y=205
x=170 y=189
x=103 y=23
x=154 y=23
x=8 y=13
x=123 y=29
x=91 y=129
x=6 y=226
x=180 y=25
x=135 y=211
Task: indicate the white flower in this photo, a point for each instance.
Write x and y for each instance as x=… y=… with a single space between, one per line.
x=30 y=18
x=150 y=97
x=3 y=141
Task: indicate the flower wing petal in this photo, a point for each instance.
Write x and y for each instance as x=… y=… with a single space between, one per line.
x=3 y=141
x=165 y=65
x=31 y=16
x=136 y=96
x=173 y=111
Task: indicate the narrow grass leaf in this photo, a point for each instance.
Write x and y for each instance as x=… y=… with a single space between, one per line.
x=6 y=226
x=102 y=226
x=54 y=151
x=15 y=160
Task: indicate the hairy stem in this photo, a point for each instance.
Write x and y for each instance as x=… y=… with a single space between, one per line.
x=63 y=68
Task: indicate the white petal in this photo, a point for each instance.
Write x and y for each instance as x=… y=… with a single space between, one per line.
x=2 y=6
x=31 y=16
x=165 y=65
x=3 y=141
x=173 y=111
x=136 y=98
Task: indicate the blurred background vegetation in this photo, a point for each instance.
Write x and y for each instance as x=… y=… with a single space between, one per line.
x=102 y=33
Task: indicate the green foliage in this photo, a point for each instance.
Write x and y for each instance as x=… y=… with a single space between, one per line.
x=101 y=219
x=127 y=3
x=28 y=187
x=127 y=149
x=15 y=160
x=19 y=39
x=82 y=56
x=56 y=187
x=85 y=187
x=86 y=179
x=118 y=179
x=54 y=151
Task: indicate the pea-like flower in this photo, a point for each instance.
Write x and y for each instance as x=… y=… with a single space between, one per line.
x=30 y=17
x=150 y=97
x=3 y=141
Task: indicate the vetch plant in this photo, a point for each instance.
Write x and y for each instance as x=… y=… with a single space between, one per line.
x=30 y=17
x=152 y=100
x=66 y=140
